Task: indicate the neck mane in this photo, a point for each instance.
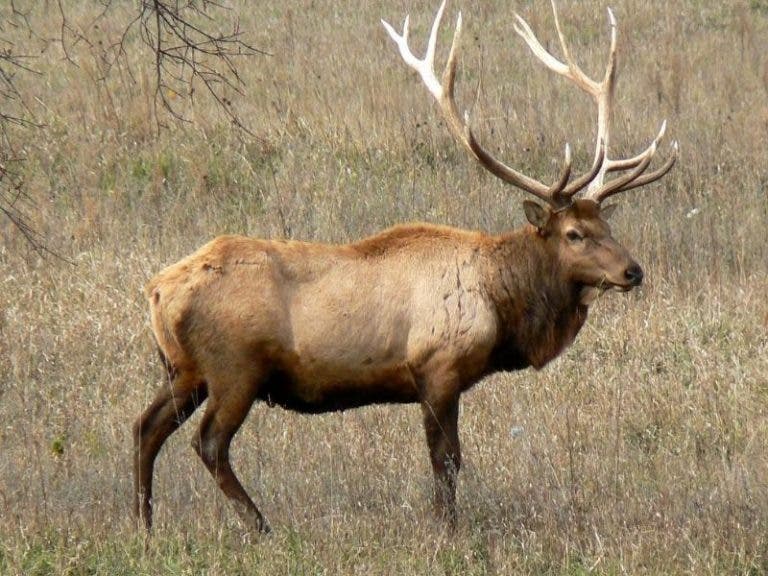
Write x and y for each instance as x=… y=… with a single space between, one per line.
x=539 y=309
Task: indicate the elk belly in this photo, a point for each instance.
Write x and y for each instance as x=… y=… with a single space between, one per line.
x=313 y=387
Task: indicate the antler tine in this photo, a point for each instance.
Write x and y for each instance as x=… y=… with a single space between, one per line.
x=642 y=180
x=574 y=71
x=423 y=66
x=615 y=186
x=611 y=66
x=583 y=181
x=639 y=164
x=556 y=190
x=626 y=164
x=524 y=30
x=569 y=68
x=460 y=127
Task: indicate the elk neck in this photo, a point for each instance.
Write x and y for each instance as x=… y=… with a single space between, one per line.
x=539 y=308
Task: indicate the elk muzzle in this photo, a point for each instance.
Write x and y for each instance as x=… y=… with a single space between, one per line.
x=634 y=274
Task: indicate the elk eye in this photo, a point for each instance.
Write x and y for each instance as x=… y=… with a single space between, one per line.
x=573 y=236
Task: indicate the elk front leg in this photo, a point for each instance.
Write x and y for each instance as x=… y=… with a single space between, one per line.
x=222 y=419
x=441 y=416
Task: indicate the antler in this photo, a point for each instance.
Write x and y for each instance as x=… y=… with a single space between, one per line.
x=558 y=194
x=602 y=92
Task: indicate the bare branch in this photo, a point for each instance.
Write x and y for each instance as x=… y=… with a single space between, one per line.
x=16 y=118
x=188 y=52
x=14 y=115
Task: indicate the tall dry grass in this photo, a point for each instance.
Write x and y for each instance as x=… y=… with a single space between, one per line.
x=644 y=449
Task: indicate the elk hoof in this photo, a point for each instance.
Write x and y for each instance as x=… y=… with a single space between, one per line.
x=259 y=526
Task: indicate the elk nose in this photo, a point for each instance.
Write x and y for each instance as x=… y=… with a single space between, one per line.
x=634 y=274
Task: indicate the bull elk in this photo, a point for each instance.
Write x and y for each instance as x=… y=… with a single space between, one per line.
x=417 y=313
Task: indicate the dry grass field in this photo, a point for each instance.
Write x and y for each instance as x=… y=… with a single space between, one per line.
x=642 y=450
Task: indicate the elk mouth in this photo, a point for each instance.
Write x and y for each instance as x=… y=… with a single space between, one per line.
x=588 y=293
x=606 y=285
x=632 y=277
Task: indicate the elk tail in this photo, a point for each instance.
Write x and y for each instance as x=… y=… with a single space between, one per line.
x=168 y=345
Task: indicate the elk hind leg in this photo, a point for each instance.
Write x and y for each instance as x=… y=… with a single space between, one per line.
x=223 y=417
x=174 y=403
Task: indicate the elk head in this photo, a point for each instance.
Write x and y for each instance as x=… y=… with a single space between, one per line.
x=581 y=237
x=574 y=228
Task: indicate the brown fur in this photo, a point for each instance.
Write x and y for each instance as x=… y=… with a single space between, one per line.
x=417 y=313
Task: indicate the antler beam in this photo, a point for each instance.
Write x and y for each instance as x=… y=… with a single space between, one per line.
x=560 y=193
x=557 y=195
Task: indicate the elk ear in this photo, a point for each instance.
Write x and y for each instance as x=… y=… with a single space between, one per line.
x=536 y=214
x=607 y=211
